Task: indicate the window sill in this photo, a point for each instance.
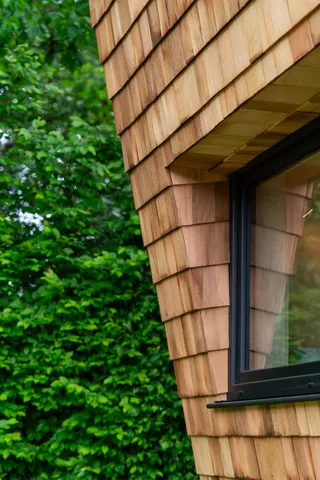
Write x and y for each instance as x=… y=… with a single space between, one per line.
x=264 y=401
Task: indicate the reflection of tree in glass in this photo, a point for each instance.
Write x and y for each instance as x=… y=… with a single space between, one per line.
x=304 y=298
x=279 y=354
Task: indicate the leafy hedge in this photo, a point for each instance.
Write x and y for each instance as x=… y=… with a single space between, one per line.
x=87 y=390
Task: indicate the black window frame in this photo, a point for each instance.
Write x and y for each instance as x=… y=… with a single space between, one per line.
x=285 y=381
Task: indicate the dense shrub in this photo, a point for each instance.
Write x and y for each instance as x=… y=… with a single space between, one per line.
x=87 y=390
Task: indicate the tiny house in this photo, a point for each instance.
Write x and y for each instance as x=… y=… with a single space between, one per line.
x=217 y=105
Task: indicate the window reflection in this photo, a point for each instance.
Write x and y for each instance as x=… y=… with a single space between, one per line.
x=285 y=268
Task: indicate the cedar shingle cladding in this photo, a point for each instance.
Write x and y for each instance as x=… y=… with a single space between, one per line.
x=199 y=88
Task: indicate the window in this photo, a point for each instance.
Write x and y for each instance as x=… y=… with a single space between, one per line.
x=275 y=271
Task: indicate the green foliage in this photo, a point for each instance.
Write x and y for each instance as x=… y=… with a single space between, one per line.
x=304 y=299
x=87 y=389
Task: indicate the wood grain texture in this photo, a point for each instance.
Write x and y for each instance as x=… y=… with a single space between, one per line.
x=198 y=332
x=209 y=117
x=149 y=131
x=159 y=216
x=193 y=289
x=243 y=457
x=149 y=30
x=202 y=375
x=98 y=9
x=180 y=249
x=206 y=477
x=194 y=31
x=287 y=420
x=183 y=205
x=115 y=24
x=261 y=114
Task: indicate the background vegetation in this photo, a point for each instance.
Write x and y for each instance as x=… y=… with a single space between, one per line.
x=87 y=390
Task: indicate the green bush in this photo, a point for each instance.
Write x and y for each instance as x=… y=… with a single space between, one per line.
x=87 y=389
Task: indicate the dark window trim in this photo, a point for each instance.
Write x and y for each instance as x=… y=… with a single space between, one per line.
x=280 y=382
x=265 y=401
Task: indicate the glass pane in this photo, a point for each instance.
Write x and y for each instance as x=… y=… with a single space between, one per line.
x=285 y=268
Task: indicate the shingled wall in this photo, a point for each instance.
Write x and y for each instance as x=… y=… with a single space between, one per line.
x=199 y=88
